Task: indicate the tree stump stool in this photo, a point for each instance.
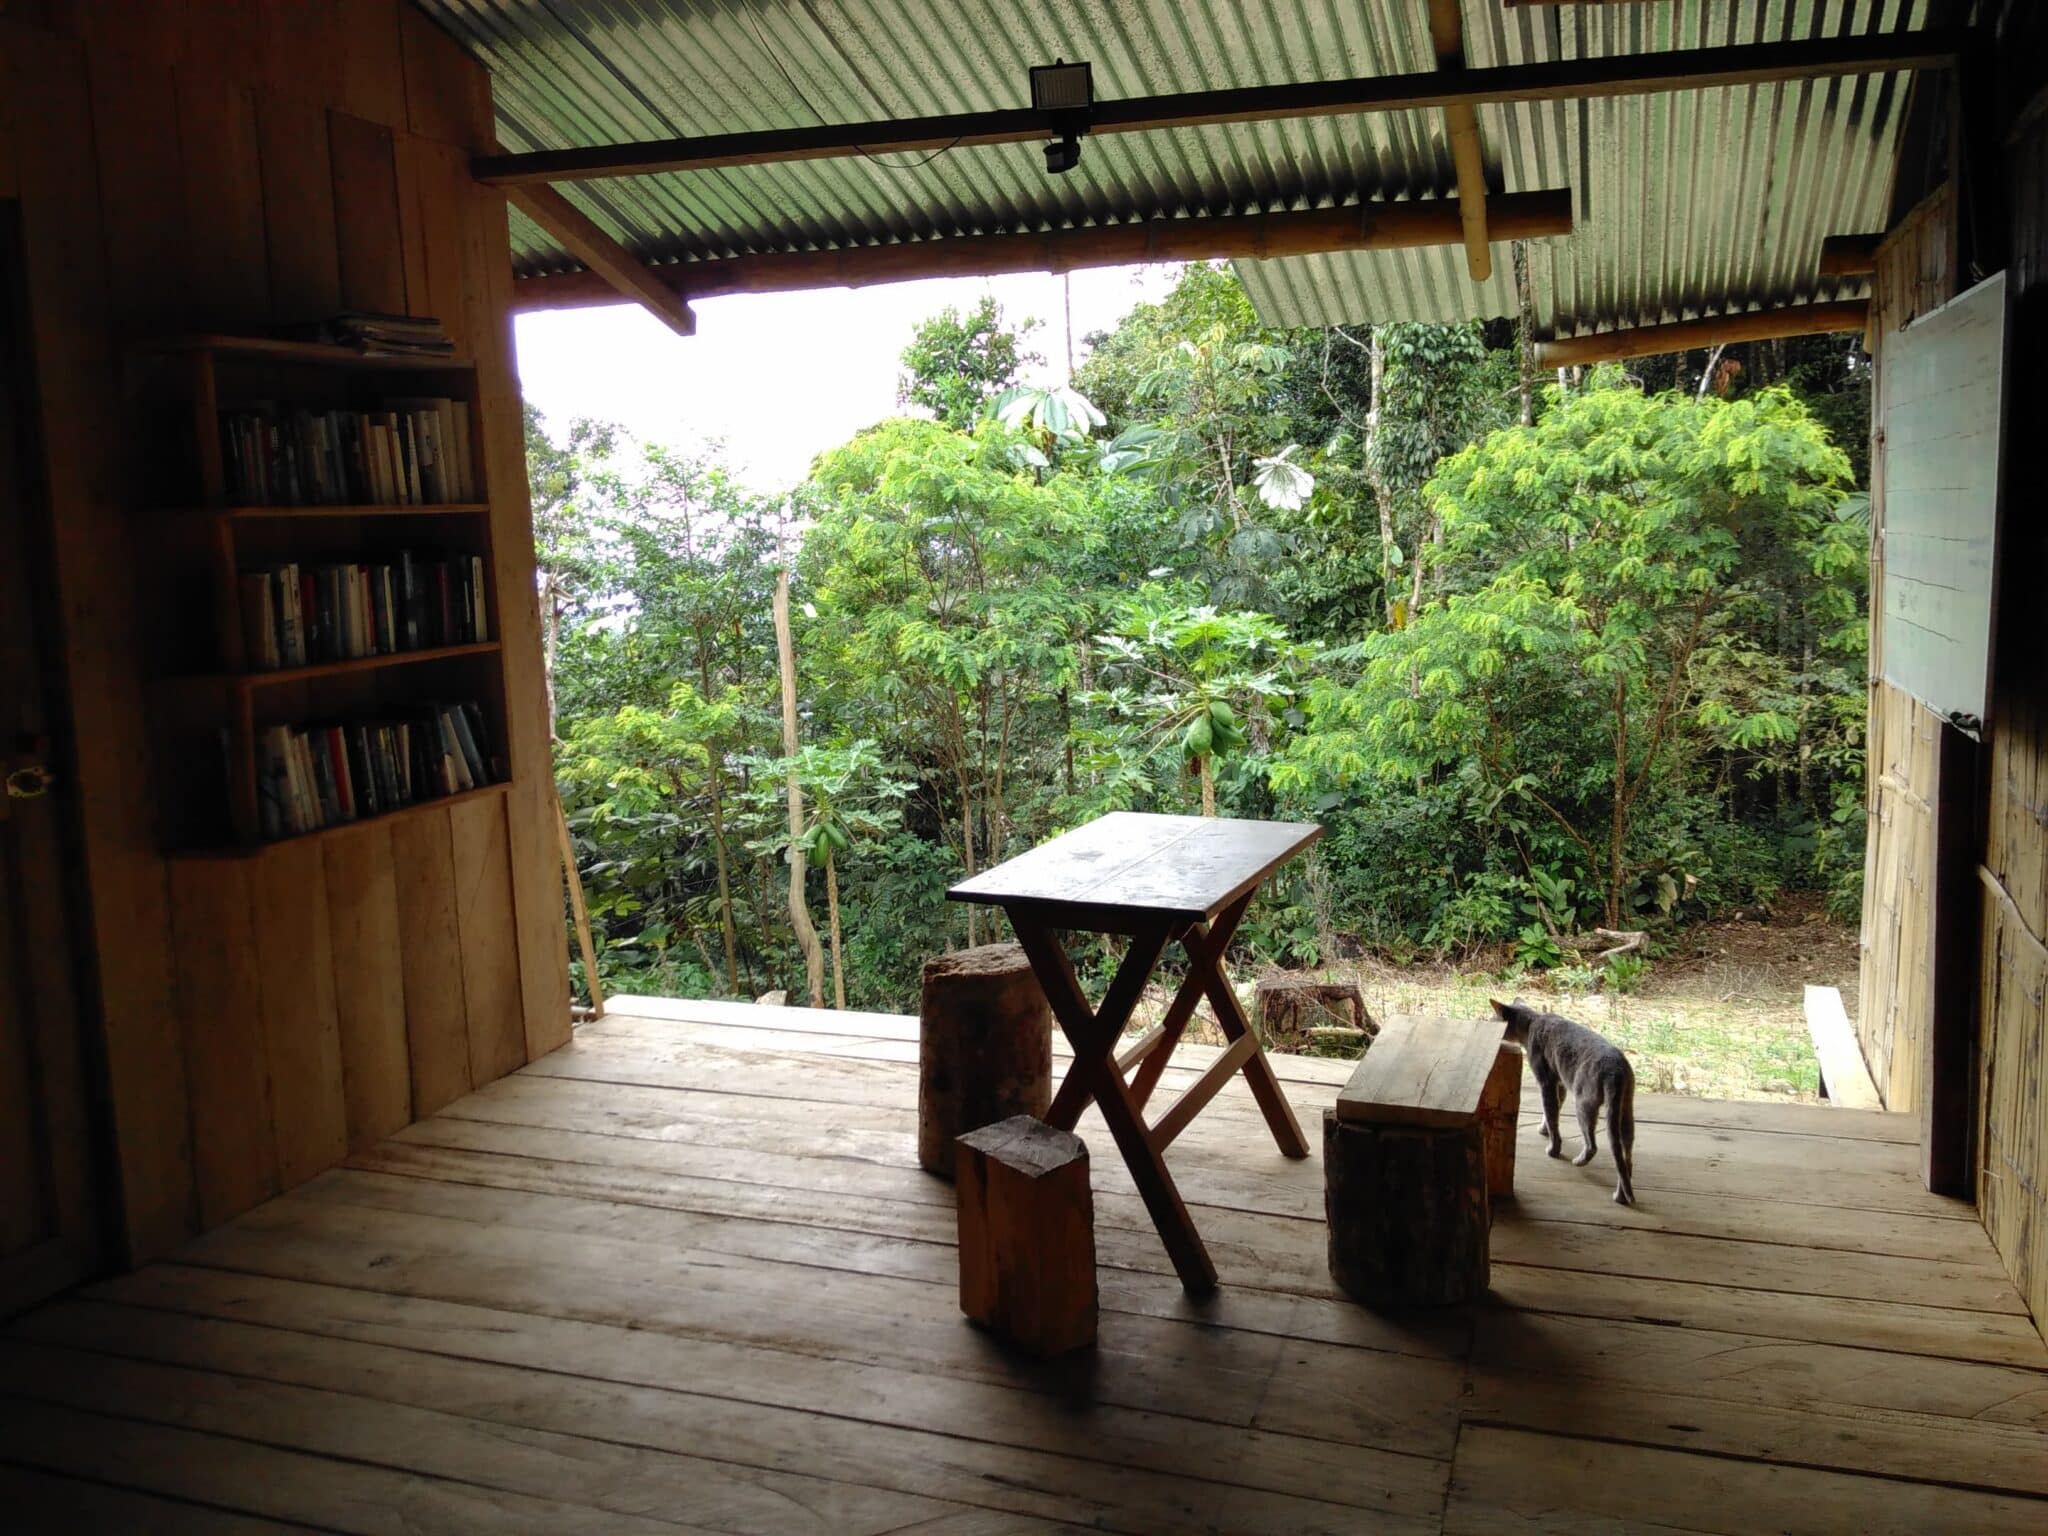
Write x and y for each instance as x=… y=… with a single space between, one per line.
x=1027 y=1235
x=1407 y=1177
x=984 y=1047
x=1291 y=1009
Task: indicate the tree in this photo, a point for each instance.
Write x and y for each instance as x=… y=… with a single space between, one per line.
x=1191 y=683
x=562 y=478
x=956 y=364
x=1618 y=564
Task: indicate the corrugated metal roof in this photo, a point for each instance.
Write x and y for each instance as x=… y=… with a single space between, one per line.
x=1686 y=203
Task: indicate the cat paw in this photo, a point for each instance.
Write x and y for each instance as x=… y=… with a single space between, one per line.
x=1583 y=1158
x=1556 y=1150
x=1621 y=1198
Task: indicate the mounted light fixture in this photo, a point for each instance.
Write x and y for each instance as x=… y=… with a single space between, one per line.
x=1064 y=94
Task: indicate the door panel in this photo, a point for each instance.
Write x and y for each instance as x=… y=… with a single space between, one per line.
x=49 y=1217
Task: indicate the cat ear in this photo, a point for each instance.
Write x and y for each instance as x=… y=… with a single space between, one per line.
x=1505 y=1010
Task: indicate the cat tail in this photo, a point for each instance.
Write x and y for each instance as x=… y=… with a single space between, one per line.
x=1621 y=1135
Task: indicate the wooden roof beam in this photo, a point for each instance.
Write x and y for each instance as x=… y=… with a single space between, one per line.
x=1561 y=79
x=1461 y=124
x=1751 y=325
x=1849 y=255
x=1366 y=226
x=623 y=274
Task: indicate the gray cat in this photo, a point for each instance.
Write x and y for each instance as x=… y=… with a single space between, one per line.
x=1570 y=1056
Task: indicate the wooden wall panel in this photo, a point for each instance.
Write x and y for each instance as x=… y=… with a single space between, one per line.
x=44 y=84
x=372 y=263
x=436 y=1011
x=369 y=988
x=1915 y=273
x=220 y=1005
x=298 y=208
x=1896 y=982
x=483 y=919
x=2012 y=1191
x=301 y=1027
x=227 y=164
x=228 y=281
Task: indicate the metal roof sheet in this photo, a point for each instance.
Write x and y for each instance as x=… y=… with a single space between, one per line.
x=1686 y=203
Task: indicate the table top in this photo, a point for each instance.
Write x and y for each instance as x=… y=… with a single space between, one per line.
x=1131 y=863
x=1423 y=1071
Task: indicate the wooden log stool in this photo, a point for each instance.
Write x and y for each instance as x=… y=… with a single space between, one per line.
x=1027 y=1235
x=984 y=1047
x=1292 y=1010
x=1420 y=1143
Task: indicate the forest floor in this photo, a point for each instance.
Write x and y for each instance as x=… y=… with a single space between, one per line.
x=1719 y=1014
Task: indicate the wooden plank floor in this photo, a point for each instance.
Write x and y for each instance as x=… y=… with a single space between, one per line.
x=685 y=1275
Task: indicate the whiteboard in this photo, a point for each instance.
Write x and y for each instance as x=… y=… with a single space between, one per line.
x=1942 y=384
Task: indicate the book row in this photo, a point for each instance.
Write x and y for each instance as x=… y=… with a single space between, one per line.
x=409 y=453
x=318 y=776
x=294 y=616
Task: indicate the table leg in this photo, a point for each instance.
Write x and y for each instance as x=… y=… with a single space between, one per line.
x=1094 y=1034
x=1192 y=986
x=1207 y=956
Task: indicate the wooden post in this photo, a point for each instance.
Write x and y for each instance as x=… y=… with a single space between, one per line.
x=1408 y=1212
x=1500 y=1112
x=984 y=1047
x=579 y=909
x=1027 y=1235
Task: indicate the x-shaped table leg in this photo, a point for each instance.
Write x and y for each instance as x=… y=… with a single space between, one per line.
x=1094 y=1032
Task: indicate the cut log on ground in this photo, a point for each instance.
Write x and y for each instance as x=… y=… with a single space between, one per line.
x=984 y=1047
x=1290 y=1009
x=1027 y=1235
x=1408 y=1212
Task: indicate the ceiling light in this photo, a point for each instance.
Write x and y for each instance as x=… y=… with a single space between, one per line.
x=1062 y=88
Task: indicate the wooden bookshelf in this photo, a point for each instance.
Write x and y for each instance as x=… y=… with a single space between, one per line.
x=403 y=813
x=213 y=706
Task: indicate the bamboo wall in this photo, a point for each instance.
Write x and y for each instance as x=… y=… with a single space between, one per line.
x=2012 y=1191
x=1915 y=273
x=221 y=166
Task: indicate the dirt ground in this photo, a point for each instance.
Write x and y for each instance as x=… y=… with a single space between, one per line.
x=1719 y=1013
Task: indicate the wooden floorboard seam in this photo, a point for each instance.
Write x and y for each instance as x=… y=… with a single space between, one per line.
x=181 y=1500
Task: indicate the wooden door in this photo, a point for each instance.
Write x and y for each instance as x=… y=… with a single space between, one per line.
x=49 y=1219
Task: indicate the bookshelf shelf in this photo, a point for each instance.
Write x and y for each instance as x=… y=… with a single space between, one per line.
x=283 y=514
x=325 y=354
x=343 y=828
x=253 y=751
x=281 y=677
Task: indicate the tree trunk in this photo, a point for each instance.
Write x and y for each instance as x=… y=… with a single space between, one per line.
x=554 y=644
x=725 y=922
x=1619 y=820
x=799 y=913
x=1382 y=497
x=1208 y=785
x=832 y=928
x=1525 y=335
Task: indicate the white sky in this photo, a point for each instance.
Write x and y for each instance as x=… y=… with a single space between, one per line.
x=782 y=377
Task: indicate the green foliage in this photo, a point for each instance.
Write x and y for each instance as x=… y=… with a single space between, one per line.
x=1599 y=662
x=956 y=364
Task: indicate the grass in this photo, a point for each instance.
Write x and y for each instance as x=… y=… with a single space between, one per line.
x=1720 y=1015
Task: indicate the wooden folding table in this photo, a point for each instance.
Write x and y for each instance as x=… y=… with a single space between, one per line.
x=1155 y=879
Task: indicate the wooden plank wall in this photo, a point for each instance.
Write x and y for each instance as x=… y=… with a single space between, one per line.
x=209 y=164
x=2012 y=1190
x=1915 y=273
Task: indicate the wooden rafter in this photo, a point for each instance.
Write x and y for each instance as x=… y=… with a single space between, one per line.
x=623 y=273
x=1849 y=255
x=1751 y=325
x=1461 y=125
x=1369 y=226
x=1622 y=75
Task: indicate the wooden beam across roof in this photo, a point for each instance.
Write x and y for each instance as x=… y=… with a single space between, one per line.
x=1366 y=226
x=1749 y=325
x=623 y=274
x=1632 y=74
x=1849 y=255
x=1461 y=125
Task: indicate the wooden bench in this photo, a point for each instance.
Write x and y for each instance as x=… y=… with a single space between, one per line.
x=1419 y=1146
